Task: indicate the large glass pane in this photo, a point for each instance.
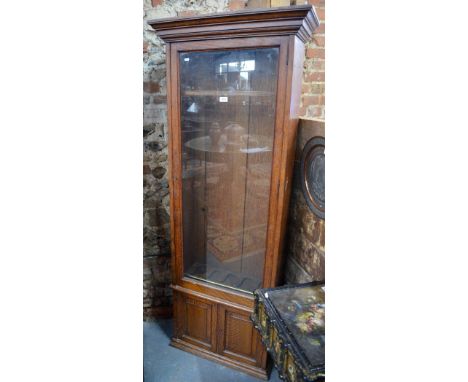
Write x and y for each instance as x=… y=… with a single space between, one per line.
x=227 y=120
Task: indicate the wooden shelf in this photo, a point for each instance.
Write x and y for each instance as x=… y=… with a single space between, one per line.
x=226 y=93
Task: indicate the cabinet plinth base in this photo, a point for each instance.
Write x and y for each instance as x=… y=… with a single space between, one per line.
x=251 y=370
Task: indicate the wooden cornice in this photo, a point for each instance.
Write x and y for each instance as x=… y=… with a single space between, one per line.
x=296 y=20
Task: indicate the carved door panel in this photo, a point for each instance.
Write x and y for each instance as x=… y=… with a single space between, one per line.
x=196 y=321
x=237 y=337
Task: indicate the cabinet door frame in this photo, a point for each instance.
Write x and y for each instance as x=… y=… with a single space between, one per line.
x=278 y=160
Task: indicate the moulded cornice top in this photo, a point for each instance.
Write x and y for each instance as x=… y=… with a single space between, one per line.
x=298 y=20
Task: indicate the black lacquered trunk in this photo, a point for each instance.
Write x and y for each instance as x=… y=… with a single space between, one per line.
x=291 y=322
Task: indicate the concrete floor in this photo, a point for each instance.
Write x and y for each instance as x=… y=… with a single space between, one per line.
x=164 y=363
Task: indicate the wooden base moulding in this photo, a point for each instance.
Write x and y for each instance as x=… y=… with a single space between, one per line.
x=254 y=371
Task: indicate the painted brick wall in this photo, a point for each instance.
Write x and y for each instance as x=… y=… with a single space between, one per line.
x=157 y=296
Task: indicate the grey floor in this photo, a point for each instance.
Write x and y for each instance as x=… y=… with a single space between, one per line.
x=167 y=364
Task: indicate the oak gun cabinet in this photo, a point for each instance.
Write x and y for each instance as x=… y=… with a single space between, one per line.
x=233 y=92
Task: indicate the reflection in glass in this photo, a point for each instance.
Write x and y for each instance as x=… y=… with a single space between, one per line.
x=227 y=124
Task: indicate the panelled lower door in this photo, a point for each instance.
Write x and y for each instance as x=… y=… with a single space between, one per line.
x=237 y=338
x=196 y=321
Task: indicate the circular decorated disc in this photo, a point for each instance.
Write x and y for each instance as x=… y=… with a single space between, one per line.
x=313 y=175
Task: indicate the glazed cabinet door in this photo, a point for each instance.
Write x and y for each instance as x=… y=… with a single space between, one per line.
x=226 y=114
